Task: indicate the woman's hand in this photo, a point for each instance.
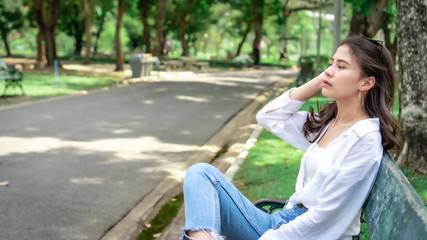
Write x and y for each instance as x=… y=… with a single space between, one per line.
x=309 y=89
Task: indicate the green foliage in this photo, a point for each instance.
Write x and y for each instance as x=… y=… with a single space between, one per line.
x=11 y=17
x=213 y=28
x=133 y=28
x=362 y=6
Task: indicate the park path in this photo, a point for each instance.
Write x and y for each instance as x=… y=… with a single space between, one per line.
x=78 y=164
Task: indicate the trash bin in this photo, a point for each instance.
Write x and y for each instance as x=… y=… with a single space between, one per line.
x=141 y=65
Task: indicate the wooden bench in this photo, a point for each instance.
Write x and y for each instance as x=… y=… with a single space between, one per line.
x=12 y=77
x=393 y=209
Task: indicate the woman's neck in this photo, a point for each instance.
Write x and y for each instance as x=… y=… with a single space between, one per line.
x=350 y=111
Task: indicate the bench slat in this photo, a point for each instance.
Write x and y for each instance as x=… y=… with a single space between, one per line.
x=393 y=209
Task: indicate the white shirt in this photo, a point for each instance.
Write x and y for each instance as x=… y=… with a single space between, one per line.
x=312 y=160
x=343 y=178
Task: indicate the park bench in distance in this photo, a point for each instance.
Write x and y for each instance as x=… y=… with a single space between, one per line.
x=393 y=209
x=12 y=77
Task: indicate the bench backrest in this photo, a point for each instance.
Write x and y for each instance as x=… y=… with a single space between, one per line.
x=393 y=209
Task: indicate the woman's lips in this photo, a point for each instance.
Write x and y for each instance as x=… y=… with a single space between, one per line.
x=325 y=83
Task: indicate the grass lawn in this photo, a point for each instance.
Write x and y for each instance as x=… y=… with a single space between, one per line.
x=44 y=85
x=271 y=168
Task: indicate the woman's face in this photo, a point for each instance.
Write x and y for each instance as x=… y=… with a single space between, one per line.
x=341 y=78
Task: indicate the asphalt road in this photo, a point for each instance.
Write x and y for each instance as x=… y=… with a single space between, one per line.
x=77 y=164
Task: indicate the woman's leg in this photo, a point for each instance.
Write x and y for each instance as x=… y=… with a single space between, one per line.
x=214 y=206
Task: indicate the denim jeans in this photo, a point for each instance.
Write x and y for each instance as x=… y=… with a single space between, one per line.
x=215 y=205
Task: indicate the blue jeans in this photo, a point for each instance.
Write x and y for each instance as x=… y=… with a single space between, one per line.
x=215 y=205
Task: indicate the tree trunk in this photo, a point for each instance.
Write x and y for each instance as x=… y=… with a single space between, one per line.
x=412 y=49
x=184 y=42
x=119 y=50
x=160 y=39
x=77 y=29
x=87 y=12
x=6 y=45
x=258 y=6
x=370 y=24
x=98 y=33
x=144 y=5
x=48 y=26
x=40 y=53
x=49 y=38
x=245 y=35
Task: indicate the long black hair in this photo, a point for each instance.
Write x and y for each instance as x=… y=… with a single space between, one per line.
x=375 y=61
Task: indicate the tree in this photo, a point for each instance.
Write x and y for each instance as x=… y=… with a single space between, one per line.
x=160 y=39
x=183 y=10
x=258 y=9
x=371 y=16
x=133 y=27
x=283 y=12
x=243 y=22
x=71 y=22
x=412 y=50
x=46 y=13
x=118 y=43
x=87 y=6
x=192 y=17
x=144 y=7
x=10 y=18
x=102 y=7
x=367 y=17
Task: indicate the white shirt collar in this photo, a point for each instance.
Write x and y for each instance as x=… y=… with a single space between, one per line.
x=365 y=126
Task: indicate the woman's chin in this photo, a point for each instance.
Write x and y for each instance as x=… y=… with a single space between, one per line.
x=326 y=93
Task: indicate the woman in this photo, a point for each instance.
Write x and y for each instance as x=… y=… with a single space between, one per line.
x=343 y=147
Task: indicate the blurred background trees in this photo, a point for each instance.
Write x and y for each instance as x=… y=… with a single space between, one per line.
x=262 y=30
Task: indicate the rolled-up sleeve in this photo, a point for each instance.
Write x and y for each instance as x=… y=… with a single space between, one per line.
x=341 y=195
x=281 y=117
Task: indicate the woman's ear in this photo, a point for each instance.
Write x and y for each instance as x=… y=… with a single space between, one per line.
x=366 y=83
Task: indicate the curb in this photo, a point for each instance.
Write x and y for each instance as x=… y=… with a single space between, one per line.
x=239 y=129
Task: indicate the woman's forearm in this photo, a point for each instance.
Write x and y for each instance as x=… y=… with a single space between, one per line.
x=308 y=90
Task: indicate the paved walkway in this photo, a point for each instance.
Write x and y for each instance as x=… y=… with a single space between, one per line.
x=78 y=165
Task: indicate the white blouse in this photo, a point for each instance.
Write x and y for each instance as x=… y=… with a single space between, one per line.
x=342 y=179
x=312 y=160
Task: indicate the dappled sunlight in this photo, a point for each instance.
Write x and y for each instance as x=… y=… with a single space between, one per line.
x=87 y=180
x=190 y=98
x=176 y=171
x=120 y=149
x=121 y=131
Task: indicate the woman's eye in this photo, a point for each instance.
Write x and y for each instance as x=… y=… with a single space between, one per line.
x=341 y=67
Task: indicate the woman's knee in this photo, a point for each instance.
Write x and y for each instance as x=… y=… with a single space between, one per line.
x=198 y=172
x=198 y=169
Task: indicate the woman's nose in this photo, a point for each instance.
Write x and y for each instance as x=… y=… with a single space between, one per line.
x=329 y=72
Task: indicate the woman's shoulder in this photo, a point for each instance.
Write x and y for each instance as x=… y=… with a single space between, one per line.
x=370 y=126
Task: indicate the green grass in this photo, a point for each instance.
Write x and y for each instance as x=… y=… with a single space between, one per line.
x=418 y=181
x=165 y=216
x=270 y=169
x=44 y=85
